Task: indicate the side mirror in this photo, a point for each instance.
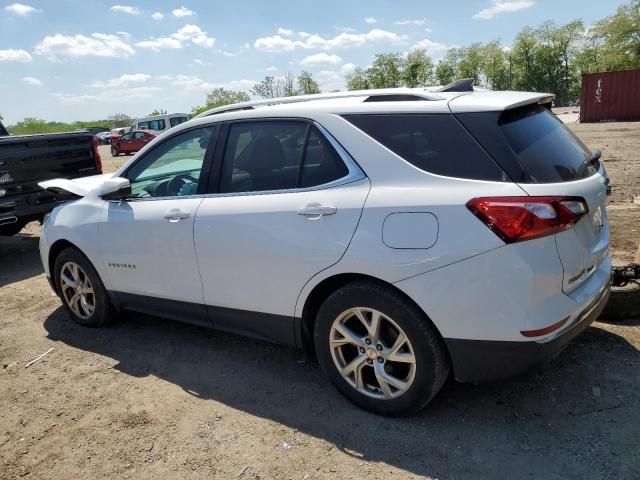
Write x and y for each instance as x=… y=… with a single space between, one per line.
x=115 y=189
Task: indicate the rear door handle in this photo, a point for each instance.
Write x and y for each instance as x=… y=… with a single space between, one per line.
x=175 y=215
x=317 y=211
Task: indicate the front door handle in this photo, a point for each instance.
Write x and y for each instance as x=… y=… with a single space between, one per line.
x=175 y=215
x=316 y=211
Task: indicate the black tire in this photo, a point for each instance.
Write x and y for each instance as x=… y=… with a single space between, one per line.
x=431 y=358
x=114 y=152
x=104 y=312
x=623 y=304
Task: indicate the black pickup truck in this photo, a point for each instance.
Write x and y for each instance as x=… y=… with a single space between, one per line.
x=26 y=160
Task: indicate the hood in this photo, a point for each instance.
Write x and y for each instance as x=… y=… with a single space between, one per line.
x=78 y=186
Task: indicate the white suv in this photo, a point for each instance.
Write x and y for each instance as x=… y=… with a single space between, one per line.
x=399 y=235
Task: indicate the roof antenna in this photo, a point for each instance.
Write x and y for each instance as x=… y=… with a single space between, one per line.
x=464 y=85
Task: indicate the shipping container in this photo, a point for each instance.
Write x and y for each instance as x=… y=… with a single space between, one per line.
x=610 y=96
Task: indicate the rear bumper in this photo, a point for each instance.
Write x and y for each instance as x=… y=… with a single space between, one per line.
x=476 y=361
x=26 y=207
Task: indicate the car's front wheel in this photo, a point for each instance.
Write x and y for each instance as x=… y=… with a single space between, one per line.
x=114 y=151
x=379 y=349
x=81 y=290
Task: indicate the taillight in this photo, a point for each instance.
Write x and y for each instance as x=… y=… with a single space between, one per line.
x=515 y=219
x=96 y=154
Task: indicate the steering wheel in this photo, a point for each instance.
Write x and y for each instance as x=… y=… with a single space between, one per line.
x=176 y=183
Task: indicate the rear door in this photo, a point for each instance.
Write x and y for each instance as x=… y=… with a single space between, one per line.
x=287 y=205
x=558 y=163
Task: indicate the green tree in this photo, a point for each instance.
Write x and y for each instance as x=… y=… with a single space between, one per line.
x=219 y=97
x=357 y=80
x=418 y=69
x=386 y=71
x=120 y=120
x=495 y=66
x=615 y=40
x=157 y=112
x=306 y=84
x=447 y=69
x=470 y=62
x=276 y=87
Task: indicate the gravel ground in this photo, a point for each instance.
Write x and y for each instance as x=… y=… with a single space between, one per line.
x=149 y=398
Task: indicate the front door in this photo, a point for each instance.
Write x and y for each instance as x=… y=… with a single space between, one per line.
x=287 y=207
x=148 y=241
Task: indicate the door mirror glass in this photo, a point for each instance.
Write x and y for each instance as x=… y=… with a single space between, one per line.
x=115 y=188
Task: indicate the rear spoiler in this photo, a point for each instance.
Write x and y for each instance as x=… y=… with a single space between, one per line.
x=492 y=101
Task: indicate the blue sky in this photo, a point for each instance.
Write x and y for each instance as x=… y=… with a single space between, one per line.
x=81 y=60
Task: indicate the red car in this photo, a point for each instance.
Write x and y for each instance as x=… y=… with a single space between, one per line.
x=130 y=142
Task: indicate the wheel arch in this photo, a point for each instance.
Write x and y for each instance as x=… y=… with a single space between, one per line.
x=55 y=250
x=326 y=287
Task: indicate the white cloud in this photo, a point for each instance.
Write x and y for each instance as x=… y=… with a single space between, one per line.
x=320 y=59
x=370 y=20
x=277 y=43
x=32 y=81
x=107 y=96
x=199 y=61
x=500 y=6
x=122 y=81
x=416 y=23
x=430 y=46
x=21 y=9
x=157 y=16
x=183 y=12
x=189 y=34
x=347 y=68
x=125 y=9
x=285 y=31
x=59 y=46
x=270 y=69
x=15 y=56
x=193 y=83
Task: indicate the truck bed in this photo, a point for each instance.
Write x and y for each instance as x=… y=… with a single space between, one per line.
x=26 y=160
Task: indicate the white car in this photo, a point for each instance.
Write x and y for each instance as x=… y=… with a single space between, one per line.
x=158 y=124
x=399 y=235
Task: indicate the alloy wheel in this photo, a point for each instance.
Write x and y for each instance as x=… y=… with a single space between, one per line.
x=77 y=290
x=372 y=353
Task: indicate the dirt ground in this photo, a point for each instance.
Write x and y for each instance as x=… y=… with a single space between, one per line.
x=149 y=398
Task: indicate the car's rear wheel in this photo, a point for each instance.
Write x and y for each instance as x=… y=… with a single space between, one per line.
x=379 y=349
x=81 y=290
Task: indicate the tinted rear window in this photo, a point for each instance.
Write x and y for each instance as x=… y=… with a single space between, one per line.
x=433 y=143
x=547 y=150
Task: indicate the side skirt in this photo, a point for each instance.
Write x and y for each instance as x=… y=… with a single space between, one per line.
x=264 y=326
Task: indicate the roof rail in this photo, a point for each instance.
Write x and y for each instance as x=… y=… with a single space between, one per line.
x=398 y=93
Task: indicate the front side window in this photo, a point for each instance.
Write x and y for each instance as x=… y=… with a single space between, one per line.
x=127 y=136
x=173 y=168
x=267 y=156
x=139 y=135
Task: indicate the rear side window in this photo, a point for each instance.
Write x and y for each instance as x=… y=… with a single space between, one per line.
x=282 y=155
x=434 y=143
x=322 y=164
x=547 y=150
x=177 y=120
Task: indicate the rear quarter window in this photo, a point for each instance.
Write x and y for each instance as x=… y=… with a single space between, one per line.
x=433 y=143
